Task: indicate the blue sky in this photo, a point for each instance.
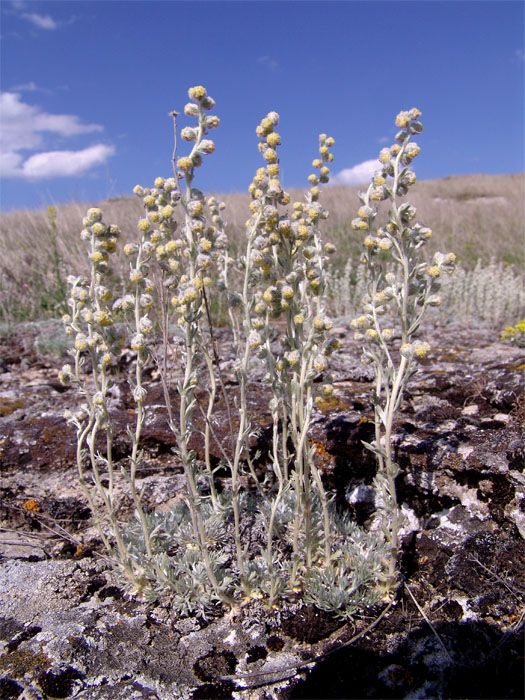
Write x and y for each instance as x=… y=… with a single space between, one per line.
x=86 y=88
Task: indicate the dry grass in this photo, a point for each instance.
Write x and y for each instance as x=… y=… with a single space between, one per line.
x=476 y=216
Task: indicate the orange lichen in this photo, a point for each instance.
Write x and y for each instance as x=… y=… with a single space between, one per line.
x=31 y=506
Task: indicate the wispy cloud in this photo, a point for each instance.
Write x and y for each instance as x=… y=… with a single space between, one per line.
x=519 y=55
x=357 y=175
x=40 y=21
x=23 y=10
x=30 y=87
x=23 y=127
x=268 y=62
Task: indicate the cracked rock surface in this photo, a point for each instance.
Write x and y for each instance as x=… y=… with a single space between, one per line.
x=67 y=630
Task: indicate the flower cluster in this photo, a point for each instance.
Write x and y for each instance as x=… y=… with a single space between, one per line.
x=201 y=104
x=186 y=260
x=91 y=316
x=404 y=295
x=288 y=265
x=288 y=330
x=394 y=304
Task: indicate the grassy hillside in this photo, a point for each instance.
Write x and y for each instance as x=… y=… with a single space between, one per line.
x=479 y=217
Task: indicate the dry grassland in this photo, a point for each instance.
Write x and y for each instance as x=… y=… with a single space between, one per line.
x=479 y=217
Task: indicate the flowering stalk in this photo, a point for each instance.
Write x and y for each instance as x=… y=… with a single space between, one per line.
x=199 y=248
x=91 y=321
x=284 y=279
x=401 y=296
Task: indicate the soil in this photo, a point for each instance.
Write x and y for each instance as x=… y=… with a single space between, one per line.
x=68 y=629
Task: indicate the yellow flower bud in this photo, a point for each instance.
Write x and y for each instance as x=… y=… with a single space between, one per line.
x=360 y=322
x=94 y=214
x=268 y=295
x=402 y=119
x=97 y=257
x=98 y=229
x=81 y=343
x=320 y=363
x=184 y=163
x=421 y=350
x=197 y=93
x=106 y=359
x=103 y=318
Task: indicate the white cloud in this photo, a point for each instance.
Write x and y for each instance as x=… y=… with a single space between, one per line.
x=65 y=163
x=357 y=175
x=268 y=62
x=29 y=87
x=40 y=21
x=23 y=127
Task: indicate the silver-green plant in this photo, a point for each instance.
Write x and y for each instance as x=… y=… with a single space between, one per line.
x=394 y=307
x=180 y=269
x=277 y=534
x=285 y=325
x=96 y=348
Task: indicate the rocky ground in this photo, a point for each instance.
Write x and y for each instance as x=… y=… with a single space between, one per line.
x=456 y=630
